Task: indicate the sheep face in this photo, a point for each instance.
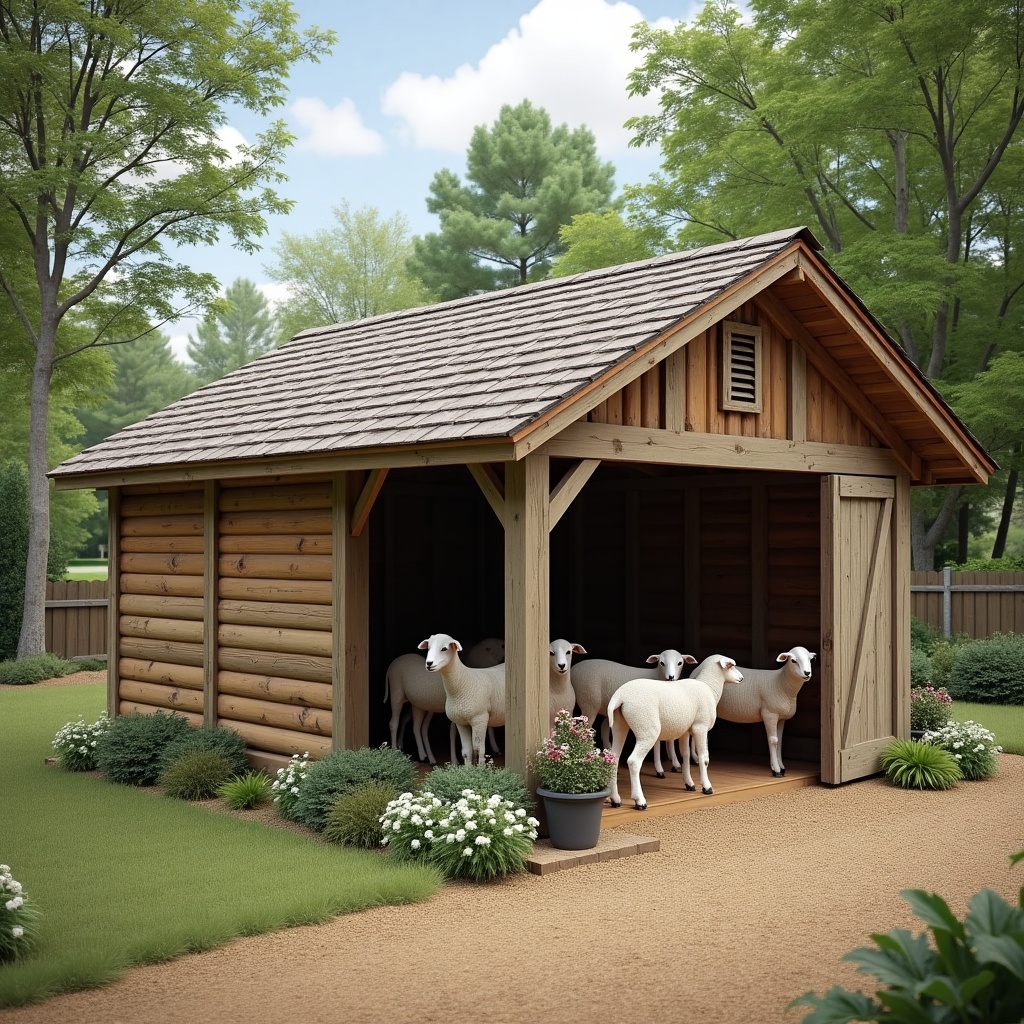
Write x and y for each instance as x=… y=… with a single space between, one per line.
x=730 y=673
x=799 y=659
x=561 y=652
x=441 y=649
x=670 y=664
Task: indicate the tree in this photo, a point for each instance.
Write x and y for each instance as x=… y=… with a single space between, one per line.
x=525 y=181
x=893 y=130
x=13 y=552
x=596 y=240
x=110 y=150
x=234 y=333
x=354 y=269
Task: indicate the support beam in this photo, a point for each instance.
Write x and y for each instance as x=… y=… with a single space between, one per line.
x=675 y=391
x=493 y=490
x=527 y=600
x=364 y=506
x=758 y=573
x=211 y=492
x=113 y=596
x=568 y=488
x=350 y=619
x=796 y=409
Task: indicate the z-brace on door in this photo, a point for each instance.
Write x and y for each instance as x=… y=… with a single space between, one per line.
x=862 y=674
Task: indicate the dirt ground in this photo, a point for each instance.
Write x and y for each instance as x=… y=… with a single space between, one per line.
x=744 y=908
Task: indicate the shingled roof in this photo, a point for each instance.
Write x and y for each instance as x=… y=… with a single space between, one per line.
x=480 y=367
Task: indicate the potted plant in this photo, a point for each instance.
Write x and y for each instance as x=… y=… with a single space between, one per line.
x=929 y=709
x=573 y=776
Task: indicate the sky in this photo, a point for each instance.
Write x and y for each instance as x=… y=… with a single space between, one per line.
x=406 y=84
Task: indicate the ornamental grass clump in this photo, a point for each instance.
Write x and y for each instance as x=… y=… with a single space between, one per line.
x=130 y=751
x=929 y=707
x=246 y=792
x=287 y=785
x=75 y=743
x=18 y=918
x=914 y=764
x=196 y=775
x=354 y=818
x=569 y=761
x=217 y=738
x=972 y=746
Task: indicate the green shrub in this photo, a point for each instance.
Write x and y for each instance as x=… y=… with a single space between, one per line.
x=247 y=792
x=920 y=667
x=354 y=818
x=913 y=764
x=1008 y=563
x=216 y=738
x=943 y=655
x=448 y=783
x=970 y=970
x=196 y=775
x=18 y=918
x=922 y=636
x=89 y=665
x=930 y=707
x=344 y=770
x=973 y=747
x=35 y=669
x=989 y=671
x=76 y=743
x=130 y=751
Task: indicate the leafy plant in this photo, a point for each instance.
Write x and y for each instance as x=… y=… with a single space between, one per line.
x=569 y=761
x=920 y=667
x=196 y=775
x=973 y=747
x=344 y=770
x=18 y=918
x=76 y=742
x=216 y=738
x=129 y=751
x=354 y=818
x=943 y=655
x=930 y=707
x=913 y=764
x=246 y=792
x=990 y=671
x=448 y=783
x=922 y=635
x=286 y=785
x=35 y=669
x=958 y=971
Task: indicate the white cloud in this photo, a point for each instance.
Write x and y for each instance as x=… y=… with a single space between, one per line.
x=275 y=292
x=179 y=344
x=570 y=57
x=334 y=131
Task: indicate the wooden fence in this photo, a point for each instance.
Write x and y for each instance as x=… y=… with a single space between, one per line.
x=976 y=603
x=76 y=618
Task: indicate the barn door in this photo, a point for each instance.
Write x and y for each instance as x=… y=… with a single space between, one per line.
x=863 y=584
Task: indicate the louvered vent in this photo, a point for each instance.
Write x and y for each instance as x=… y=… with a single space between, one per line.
x=741 y=367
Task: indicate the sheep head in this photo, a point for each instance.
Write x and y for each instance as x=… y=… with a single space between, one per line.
x=670 y=664
x=441 y=650
x=799 y=659
x=561 y=652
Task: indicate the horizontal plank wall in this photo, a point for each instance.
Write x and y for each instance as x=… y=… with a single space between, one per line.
x=160 y=603
x=76 y=618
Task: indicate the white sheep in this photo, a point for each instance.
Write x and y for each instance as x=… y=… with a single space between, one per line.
x=486 y=653
x=561 y=692
x=769 y=695
x=657 y=710
x=407 y=679
x=474 y=697
x=596 y=679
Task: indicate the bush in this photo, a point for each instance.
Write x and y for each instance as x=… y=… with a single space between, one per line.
x=76 y=742
x=913 y=764
x=966 y=970
x=130 y=750
x=943 y=655
x=973 y=747
x=247 y=792
x=196 y=775
x=922 y=636
x=354 y=818
x=344 y=770
x=929 y=707
x=286 y=786
x=35 y=669
x=448 y=783
x=920 y=667
x=18 y=918
x=220 y=740
x=1008 y=563
x=990 y=671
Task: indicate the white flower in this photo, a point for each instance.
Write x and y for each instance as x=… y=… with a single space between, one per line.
x=470 y=823
x=460 y=834
x=17 y=931
x=518 y=827
x=468 y=851
x=450 y=838
x=507 y=832
x=483 y=841
x=532 y=822
x=415 y=844
x=416 y=819
x=429 y=834
x=295 y=790
x=397 y=826
x=520 y=813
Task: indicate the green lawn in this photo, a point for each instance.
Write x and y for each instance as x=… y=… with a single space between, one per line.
x=123 y=877
x=1006 y=723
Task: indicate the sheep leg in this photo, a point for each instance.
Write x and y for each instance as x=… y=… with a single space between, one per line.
x=479 y=738
x=672 y=753
x=635 y=760
x=418 y=731
x=452 y=733
x=659 y=771
x=466 y=735
x=397 y=701
x=494 y=740
x=685 y=766
x=618 y=740
x=606 y=740
x=700 y=736
x=773 y=729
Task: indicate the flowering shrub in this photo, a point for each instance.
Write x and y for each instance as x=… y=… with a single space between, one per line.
x=17 y=918
x=972 y=746
x=286 y=787
x=929 y=707
x=569 y=761
x=75 y=743
x=476 y=837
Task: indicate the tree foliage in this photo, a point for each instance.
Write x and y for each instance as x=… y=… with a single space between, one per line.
x=354 y=269
x=525 y=180
x=596 y=240
x=112 y=147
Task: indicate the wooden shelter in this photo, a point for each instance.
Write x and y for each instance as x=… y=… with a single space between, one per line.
x=711 y=450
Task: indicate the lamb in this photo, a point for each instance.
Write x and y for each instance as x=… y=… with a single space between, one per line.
x=486 y=653
x=594 y=682
x=658 y=710
x=769 y=696
x=561 y=694
x=407 y=679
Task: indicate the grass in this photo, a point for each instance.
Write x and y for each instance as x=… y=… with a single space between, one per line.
x=124 y=877
x=1005 y=722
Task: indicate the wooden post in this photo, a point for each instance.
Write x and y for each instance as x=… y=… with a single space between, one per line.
x=947 y=602
x=526 y=609
x=675 y=391
x=691 y=572
x=113 y=597
x=758 y=574
x=211 y=493
x=796 y=427
x=350 y=619
x=901 y=607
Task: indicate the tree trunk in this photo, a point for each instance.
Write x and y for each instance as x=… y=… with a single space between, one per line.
x=999 y=547
x=924 y=539
x=963 y=532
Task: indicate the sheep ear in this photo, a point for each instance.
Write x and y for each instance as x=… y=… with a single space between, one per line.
x=812 y=655
x=727 y=662
x=578 y=649
x=653 y=659
x=455 y=646
x=784 y=656
x=423 y=645
x=689 y=659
